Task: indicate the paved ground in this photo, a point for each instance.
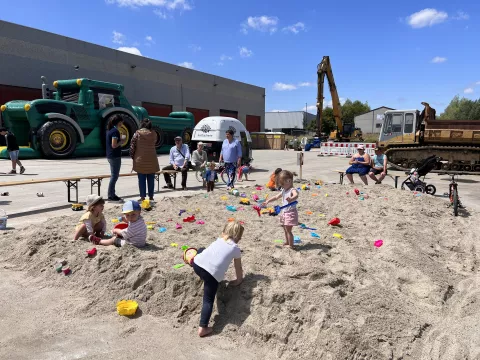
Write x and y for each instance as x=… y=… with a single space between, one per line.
x=22 y=205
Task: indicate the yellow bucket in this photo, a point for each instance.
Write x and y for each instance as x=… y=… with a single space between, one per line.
x=127 y=307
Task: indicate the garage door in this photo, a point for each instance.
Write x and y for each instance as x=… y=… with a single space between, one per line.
x=198 y=114
x=9 y=93
x=229 y=113
x=157 y=109
x=253 y=123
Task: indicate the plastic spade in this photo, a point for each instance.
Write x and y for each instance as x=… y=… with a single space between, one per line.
x=279 y=208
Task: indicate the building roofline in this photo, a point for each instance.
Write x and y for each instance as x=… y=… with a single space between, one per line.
x=386 y=107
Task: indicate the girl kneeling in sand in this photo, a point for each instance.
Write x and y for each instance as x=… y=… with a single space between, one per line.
x=289 y=215
x=212 y=264
x=92 y=222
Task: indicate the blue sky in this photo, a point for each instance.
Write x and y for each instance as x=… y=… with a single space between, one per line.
x=395 y=55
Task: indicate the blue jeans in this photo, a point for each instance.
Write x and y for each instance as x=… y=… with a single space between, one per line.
x=150 y=178
x=115 y=164
x=210 y=287
x=231 y=170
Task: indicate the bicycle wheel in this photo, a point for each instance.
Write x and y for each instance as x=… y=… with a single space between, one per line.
x=455 y=202
x=431 y=189
x=224 y=177
x=199 y=175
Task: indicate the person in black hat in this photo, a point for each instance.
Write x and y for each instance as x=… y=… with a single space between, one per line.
x=13 y=150
x=179 y=157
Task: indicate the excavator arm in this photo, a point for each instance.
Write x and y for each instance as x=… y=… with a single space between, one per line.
x=324 y=68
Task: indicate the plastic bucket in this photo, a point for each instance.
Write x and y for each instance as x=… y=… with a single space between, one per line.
x=3 y=219
x=121 y=226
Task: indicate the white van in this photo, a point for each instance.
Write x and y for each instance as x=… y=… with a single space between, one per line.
x=211 y=131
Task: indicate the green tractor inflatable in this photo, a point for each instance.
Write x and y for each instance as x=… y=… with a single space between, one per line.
x=74 y=122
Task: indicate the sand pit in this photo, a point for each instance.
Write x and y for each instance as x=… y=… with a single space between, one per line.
x=415 y=297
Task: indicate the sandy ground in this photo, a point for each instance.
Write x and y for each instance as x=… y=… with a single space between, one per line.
x=415 y=297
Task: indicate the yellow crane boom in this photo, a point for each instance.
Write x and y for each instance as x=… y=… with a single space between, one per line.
x=324 y=68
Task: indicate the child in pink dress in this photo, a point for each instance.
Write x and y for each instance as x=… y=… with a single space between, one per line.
x=289 y=215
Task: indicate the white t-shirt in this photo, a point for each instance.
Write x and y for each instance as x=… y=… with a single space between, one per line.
x=136 y=233
x=216 y=258
x=285 y=195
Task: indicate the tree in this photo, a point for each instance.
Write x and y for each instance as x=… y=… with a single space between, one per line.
x=461 y=109
x=349 y=111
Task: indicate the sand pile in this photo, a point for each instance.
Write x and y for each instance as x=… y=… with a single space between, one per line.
x=414 y=297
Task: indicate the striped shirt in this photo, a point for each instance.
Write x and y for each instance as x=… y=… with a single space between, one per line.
x=136 y=233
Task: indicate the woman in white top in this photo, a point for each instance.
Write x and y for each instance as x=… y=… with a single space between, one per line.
x=212 y=264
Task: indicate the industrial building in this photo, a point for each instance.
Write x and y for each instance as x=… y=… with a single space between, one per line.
x=26 y=54
x=371 y=122
x=288 y=122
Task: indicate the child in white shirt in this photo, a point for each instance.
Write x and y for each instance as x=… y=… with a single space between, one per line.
x=212 y=264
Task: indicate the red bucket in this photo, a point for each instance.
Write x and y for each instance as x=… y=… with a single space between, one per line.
x=121 y=226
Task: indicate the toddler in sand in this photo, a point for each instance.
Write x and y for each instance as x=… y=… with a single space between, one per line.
x=289 y=215
x=211 y=265
x=211 y=176
x=136 y=232
x=92 y=222
x=272 y=183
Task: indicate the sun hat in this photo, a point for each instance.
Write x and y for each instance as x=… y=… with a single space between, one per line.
x=130 y=206
x=361 y=147
x=92 y=199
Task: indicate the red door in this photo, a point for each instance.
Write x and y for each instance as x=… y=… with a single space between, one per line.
x=253 y=123
x=9 y=93
x=198 y=114
x=157 y=109
x=229 y=113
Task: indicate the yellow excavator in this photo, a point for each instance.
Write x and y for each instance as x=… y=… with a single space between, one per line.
x=344 y=132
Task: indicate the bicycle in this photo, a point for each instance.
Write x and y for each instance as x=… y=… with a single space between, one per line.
x=200 y=174
x=453 y=194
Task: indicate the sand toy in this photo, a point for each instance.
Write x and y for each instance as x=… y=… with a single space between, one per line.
x=127 y=307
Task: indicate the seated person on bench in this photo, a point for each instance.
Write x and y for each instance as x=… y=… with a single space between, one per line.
x=379 y=166
x=359 y=164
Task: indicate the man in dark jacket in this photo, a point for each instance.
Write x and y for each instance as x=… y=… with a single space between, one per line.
x=13 y=150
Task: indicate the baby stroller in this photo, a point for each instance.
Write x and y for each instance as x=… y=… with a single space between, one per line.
x=413 y=181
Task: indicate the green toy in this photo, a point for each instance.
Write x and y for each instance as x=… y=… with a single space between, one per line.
x=73 y=121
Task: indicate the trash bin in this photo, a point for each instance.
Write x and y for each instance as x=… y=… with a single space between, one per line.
x=308 y=147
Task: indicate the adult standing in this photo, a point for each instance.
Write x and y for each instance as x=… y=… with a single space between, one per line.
x=114 y=153
x=359 y=164
x=179 y=156
x=144 y=155
x=231 y=154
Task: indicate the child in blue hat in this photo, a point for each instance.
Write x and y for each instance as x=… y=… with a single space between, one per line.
x=136 y=232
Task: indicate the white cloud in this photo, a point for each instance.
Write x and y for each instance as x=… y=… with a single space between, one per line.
x=278 y=86
x=219 y=63
x=225 y=57
x=477 y=83
x=161 y=14
x=426 y=17
x=131 y=50
x=468 y=90
x=118 y=38
x=260 y=23
x=244 y=52
x=194 y=47
x=149 y=38
x=438 y=59
x=295 y=28
x=305 y=84
x=329 y=103
x=311 y=109
x=461 y=16
x=275 y=110
x=167 y=4
x=187 y=65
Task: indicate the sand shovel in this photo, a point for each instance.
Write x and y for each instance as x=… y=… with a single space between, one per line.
x=279 y=208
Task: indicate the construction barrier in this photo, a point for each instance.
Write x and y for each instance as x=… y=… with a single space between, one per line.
x=344 y=148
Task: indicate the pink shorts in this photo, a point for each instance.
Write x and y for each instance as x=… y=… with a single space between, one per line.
x=289 y=218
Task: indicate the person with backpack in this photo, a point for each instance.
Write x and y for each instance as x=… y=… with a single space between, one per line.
x=13 y=150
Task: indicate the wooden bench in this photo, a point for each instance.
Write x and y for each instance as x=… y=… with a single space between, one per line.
x=393 y=177
x=95 y=180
